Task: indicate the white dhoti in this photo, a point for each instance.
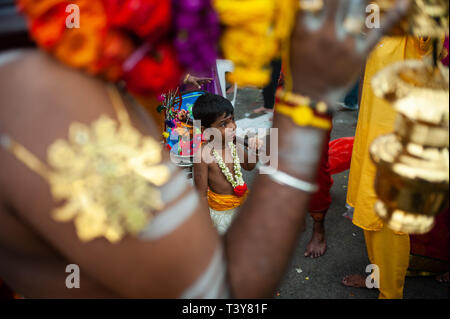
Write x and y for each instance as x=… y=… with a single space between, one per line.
x=222 y=219
x=223 y=209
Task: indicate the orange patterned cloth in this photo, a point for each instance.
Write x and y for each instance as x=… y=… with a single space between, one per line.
x=222 y=203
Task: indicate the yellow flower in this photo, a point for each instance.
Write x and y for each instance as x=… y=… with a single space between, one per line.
x=257 y=31
x=245 y=48
x=250 y=77
x=241 y=12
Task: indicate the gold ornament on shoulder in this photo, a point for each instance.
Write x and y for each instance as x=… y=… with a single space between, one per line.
x=106 y=177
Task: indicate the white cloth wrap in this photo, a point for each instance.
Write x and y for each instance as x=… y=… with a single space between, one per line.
x=222 y=219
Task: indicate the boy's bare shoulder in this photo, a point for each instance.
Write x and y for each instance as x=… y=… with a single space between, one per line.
x=205 y=153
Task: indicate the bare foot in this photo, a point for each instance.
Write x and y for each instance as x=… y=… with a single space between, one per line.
x=263 y=110
x=442 y=278
x=356 y=281
x=317 y=245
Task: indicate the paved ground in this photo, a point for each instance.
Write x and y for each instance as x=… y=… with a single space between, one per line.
x=346 y=254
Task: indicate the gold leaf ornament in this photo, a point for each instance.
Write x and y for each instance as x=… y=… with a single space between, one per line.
x=107 y=176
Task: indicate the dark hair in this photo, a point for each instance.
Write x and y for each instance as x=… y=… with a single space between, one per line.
x=209 y=107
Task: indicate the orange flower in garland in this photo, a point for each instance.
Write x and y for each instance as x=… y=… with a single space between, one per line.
x=116 y=39
x=92 y=14
x=159 y=24
x=116 y=48
x=48 y=28
x=78 y=48
x=146 y=18
x=35 y=8
x=159 y=72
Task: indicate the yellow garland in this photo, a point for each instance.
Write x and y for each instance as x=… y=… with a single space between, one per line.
x=250 y=77
x=252 y=51
x=257 y=32
x=287 y=13
x=239 y=12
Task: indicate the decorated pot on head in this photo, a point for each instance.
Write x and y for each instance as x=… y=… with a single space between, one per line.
x=182 y=138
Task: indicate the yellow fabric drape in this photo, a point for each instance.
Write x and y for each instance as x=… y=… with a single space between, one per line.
x=390 y=252
x=376 y=117
x=222 y=203
x=386 y=249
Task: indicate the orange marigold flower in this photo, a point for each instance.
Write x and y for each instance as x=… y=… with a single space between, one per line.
x=36 y=8
x=81 y=47
x=48 y=28
x=78 y=48
x=116 y=48
x=92 y=14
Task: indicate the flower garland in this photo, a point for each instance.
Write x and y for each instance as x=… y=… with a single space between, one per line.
x=239 y=186
x=117 y=40
x=148 y=43
x=197 y=30
x=257 y=32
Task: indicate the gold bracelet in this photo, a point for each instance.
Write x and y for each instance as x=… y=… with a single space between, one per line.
x=295 y=99
x=303 y=115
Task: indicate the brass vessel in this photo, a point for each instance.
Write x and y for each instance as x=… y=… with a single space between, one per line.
x=412 y=180
x=426 y=18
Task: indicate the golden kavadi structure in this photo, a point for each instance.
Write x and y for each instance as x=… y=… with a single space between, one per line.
x=412 y=180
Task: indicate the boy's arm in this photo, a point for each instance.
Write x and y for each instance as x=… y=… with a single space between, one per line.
x=201 y=176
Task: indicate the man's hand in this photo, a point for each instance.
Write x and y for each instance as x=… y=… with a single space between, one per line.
x=197 y=81
x=255 y=144
x=327 y=56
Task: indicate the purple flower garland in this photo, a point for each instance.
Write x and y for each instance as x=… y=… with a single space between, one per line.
x=197 y=31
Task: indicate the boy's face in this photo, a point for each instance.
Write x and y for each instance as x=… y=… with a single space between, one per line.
x=227 y=127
